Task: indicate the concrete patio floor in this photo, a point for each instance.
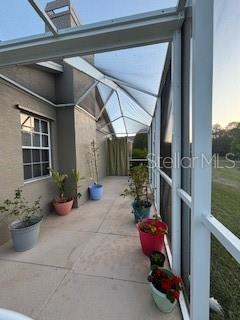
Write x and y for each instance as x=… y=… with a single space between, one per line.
x=86 y=266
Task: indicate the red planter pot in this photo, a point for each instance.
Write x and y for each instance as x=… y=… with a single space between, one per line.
x=149 y=242
x=63 y=208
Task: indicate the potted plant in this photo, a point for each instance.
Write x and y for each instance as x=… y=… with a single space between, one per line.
x=151 y=232
x=138 y=189
x=25 y=230
x=96 y=189
x=157 y=258
x=76 y=185
x=62 y=204
x=165 y=288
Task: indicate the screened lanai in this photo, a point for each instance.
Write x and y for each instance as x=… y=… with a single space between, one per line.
x=153 y=69
x=129 y=94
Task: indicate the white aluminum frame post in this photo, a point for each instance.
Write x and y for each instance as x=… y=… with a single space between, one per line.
x=176 y=152
x=157 y=155
x=153 y=131
x=202 y=70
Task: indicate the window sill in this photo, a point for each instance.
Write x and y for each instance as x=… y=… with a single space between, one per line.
x=37 y=179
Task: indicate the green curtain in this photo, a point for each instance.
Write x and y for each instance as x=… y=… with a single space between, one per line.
x=117 y=157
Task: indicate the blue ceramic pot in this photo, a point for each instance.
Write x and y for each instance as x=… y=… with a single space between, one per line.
x=96 y=191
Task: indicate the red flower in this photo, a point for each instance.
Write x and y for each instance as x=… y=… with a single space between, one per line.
x=158 y=273
x=176 y=295
x=166 y=284
x=177 y=280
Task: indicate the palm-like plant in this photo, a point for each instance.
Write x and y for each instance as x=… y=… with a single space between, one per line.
x=76 y=178
x=59 y=179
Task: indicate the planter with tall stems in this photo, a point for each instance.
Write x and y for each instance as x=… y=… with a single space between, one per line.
x=96 y=189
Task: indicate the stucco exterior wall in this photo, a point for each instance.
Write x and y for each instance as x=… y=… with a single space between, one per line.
x=102 y=145
x=66 y=144
x=40 y=82
x=81 y=83
x=85 y=132
x=64 y=85
x=11 y=162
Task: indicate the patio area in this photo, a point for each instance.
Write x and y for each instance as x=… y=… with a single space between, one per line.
x=87 y=265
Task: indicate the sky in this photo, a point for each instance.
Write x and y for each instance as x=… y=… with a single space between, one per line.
x=226 y=71
x=18 y=19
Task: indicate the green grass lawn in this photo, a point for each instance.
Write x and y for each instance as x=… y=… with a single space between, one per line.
x=225 y=271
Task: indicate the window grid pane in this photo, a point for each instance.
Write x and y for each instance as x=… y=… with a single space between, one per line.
x=44 y=126
x=35 y=146
x=36 y=140
x=26 y=138
x=36 y=125
x=27 y=156
x=27 y=172
x=36 y=155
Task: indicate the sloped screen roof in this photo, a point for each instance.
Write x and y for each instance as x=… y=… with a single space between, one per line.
x=128 y=80
x=128 y=84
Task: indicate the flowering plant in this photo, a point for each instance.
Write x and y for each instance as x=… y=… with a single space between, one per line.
x=166 y=282
x=153 y=227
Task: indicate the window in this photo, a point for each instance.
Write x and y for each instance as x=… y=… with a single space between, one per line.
x=35 y=147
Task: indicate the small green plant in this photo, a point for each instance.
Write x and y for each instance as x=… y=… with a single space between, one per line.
x=157 y=258
x=93 y=157
x=76 y=179
x=60 y=180
x=20 y=208
x=138 y=187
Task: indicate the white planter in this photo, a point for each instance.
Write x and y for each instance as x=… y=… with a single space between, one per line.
x=160 y=298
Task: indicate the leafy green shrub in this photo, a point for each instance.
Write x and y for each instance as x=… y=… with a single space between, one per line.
x=138 y=186
x=20 y=208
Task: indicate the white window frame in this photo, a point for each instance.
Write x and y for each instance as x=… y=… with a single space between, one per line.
x=42 y=177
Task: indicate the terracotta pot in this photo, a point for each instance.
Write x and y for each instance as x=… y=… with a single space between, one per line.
x=63 y=208
x=150 y=242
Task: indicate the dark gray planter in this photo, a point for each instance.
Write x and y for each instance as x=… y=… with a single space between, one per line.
x=24 y=238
